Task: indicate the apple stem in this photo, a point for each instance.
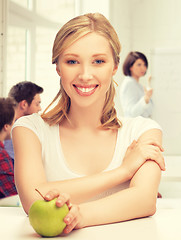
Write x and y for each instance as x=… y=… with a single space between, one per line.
x=39 y=193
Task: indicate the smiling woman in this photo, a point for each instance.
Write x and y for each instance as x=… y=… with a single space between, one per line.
x=87 y=72
x=79 y=151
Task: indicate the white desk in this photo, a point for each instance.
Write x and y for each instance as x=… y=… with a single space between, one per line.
x=173 y=166
x=170 y=185
x=164 y=225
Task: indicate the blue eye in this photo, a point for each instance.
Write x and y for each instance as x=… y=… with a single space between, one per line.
x=99 y=61
x=71 y=61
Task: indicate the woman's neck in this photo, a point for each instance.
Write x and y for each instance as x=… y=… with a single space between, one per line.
x=85 y=117
x=135 y=77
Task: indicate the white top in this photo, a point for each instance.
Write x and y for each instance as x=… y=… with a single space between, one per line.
x=132 y=99
x=55 y=165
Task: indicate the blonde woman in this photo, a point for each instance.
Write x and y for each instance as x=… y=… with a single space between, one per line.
x=78 y=150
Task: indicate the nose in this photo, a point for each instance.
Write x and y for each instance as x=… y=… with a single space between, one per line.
x=144 y=67
x=85 y=74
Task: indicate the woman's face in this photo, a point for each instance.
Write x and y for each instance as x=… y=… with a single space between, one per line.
x=86 y=69
x=138 y=69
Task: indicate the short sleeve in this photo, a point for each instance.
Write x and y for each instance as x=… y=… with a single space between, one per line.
x=142 y=125
x=33 y=122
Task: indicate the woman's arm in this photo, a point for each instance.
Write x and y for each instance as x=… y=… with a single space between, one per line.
x=30 y=174
x=139 y=200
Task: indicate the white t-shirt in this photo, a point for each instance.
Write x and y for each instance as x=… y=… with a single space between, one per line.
x=132 y=99
x=55 y=165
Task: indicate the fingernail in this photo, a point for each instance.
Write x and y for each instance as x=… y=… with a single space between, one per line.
x=67 y=219
x=67 y=230
x=59 y=201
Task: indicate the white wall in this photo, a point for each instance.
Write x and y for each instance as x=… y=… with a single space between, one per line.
x=144 y=25
x=88 y=6
x=3 y=16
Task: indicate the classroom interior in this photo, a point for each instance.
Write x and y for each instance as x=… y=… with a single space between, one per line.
x=153 y=27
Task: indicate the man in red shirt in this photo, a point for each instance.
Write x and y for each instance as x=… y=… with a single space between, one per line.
x=7 y=117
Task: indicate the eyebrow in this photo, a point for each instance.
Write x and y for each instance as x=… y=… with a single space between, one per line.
x=71 y=54
x=100 y=54
x=76 y=55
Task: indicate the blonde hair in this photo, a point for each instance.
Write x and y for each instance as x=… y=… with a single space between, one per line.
x=67 y=35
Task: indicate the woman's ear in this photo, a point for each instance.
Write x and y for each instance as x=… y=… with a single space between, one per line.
x=58 y=70
x=115 y=70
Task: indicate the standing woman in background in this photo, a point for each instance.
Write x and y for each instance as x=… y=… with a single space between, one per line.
x=135 y=99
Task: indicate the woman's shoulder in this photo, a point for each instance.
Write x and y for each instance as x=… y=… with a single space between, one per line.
x=34 y=118
x=128 y=82
x=138 y=125
x=33 y=122
x=139 y=121
x=129 y=79
x=36 y=124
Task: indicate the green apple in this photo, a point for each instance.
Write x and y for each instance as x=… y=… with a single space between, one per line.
x=46 y=218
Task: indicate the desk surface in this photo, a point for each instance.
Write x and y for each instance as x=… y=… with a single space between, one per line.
x=164 y=225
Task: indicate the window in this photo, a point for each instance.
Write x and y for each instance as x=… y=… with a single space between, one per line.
x=32 y=26
x=16 y=55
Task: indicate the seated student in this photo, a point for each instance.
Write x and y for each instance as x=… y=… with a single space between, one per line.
x=27 y=97
x=7 y=112
x=79 y=151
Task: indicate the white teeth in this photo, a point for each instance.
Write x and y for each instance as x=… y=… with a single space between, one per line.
x=85 y=90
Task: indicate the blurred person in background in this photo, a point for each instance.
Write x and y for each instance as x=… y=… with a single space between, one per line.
x=27 y=98
x=7 y=118
x=135 y=99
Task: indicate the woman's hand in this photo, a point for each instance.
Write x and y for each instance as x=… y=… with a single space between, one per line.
x=148 y=94
x=74 y=218
x=139 y=152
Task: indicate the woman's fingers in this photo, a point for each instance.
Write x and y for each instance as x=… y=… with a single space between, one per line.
x=161 y=162
x=71 y=226
x=158 y=145
x=62 y=199
x=72 y=219
x=152 y=151
x=51 y=195
x=152 y=142
x=133 y=144
x=155 y=154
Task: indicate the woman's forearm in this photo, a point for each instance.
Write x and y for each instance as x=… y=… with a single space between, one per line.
x=83 y=188
x=125 y=205
x=139 y=200
x=79 y=189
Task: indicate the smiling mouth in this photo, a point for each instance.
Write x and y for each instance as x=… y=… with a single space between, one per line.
x=85 y=90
